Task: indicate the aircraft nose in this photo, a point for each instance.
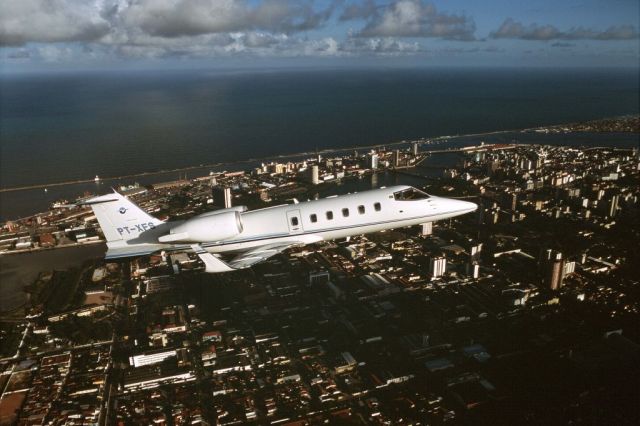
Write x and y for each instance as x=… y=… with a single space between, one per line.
x=467 y=206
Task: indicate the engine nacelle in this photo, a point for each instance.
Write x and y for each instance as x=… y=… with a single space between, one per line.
x=202 y=229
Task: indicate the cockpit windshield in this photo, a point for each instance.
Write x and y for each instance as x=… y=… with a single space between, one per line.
x=410 y=194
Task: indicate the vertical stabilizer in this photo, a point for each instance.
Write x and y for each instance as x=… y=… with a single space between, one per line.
x=119 y=218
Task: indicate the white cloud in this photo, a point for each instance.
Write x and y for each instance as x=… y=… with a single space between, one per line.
x=53 y=53
x=382 y=46
x=24 y=21
x=259 y=39
x=45 y=21
x=516 y=30
x=56 y=30
x=174 y=18
x=141 y=45
x=412 y=18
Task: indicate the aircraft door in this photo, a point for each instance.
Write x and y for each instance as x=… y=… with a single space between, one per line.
x=294 y=221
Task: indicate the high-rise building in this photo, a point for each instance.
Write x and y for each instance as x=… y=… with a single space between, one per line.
x=612 y=206
x=373 y=160
x=526 y=164
x=475 y=251
x=473 y=270
x=427 y=228
x=313 y=174
x=556 y=271
x=569 y=268
x=553 y=269
x=222 y=196
x=437 y=266
x=414 y=149
x=495 y=216
x=396 y=158
x=276 y=168
x=511 y=201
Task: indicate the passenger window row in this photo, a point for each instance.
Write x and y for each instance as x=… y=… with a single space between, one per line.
x=345 y=212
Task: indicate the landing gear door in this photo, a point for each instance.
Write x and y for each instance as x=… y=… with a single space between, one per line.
x=294 y=221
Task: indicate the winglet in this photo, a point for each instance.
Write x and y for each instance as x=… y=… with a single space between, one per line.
x=212 y=263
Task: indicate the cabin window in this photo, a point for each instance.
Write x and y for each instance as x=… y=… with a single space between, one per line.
x=377 y=207
x=410 y=194
x=313 y=218
x=294 y=221
x=345 y=212
x=361 y=209
x=329 y=215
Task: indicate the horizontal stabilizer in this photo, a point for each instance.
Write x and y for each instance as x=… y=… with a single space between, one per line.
x=98 y=200
x=131 y=251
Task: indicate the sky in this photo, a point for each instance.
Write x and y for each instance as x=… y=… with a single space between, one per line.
x=49 y=35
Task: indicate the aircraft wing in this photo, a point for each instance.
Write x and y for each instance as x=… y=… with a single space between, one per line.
x=212 y=263
x=244 y=260
x=259 y=254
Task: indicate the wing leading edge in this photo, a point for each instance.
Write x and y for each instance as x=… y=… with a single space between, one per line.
x=247 y=259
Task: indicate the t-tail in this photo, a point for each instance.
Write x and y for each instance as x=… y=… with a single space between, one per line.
x=128 y=229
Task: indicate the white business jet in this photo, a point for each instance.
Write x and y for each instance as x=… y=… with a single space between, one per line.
x=253 y=236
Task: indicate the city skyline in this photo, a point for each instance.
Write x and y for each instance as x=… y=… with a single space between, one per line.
x=433 y=324
x=38 y=36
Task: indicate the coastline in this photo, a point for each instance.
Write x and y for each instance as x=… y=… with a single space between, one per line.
x=20 y=203
x=258 y=159
x=429 y=140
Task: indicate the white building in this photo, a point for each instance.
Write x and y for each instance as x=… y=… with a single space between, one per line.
x=373 y=160
x=427 y=228
x=222 y=195
x=569 y=268
x=314 y=174
x=152 y=357
x=437 y=266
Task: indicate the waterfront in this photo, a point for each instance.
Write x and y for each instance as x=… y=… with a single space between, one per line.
x=16 y=204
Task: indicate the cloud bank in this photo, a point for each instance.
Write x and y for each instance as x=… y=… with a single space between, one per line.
x=511 y=29
x=50 y=21
x=62 y=30
x=410 y=18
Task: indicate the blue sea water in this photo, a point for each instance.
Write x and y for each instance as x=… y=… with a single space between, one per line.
x=62 y=127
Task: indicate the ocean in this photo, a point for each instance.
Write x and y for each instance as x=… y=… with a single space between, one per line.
x=72 y=126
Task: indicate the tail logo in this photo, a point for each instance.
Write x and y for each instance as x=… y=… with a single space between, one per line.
x=122 y=210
